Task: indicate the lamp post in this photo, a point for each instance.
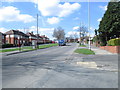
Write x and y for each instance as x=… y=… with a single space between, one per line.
x=89 y=42
x=80 y=38
x=80 y=29
x=89 y=23
x=37 y=26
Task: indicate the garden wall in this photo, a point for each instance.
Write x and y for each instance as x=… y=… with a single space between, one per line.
x=112 y=49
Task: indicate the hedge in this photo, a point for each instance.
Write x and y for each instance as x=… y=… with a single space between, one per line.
x=114 y=42
x=7 y=45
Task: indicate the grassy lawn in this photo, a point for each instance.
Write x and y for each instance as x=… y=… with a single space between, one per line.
x=84 y=51
x=29 y=48
x=9 y=50
x=82 y=46
x=47 y=46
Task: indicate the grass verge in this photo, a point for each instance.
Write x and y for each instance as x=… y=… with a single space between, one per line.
x=29 y=48
x=84 y=51
x=47 y=46
x=82 y=46
x=9 y=50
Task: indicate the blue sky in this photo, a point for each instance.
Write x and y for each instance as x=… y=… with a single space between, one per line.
x=52 y=14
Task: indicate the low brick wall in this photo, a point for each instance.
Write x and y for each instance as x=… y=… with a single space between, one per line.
x=112 y=49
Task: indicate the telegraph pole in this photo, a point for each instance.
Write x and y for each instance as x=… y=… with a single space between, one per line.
x=37 y=26
x=37 y=32
x=89 y=23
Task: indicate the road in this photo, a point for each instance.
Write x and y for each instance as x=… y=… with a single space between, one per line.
x=59 y=67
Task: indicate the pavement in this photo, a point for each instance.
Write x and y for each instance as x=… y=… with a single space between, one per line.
x=59 y=67
x=98 y=51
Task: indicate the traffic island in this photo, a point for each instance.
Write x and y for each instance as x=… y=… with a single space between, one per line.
x=85 y=51
x=82 y=45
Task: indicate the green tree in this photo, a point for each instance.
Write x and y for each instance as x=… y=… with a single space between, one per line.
x=110 y=24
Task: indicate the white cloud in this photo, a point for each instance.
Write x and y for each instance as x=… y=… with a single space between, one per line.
x=48 y=7
x=92 y=32
x=10 y=0
x=92 y=35
x=76 y=18
x=103 y=7
x=99 y=19
x=72 y=33
x=76 y=27
x=67 y=8
x=10 y=13
x=3 y=30
x=53 y=20
x=91 y=28
x=41 y=30
x=53 y=8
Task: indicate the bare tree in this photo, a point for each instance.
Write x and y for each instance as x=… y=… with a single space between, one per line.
x=82 y=32
x=59 y=33
x=75 y=36
x=71 y=36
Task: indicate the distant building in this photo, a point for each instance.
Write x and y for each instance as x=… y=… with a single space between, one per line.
x=16 y=37
x=32 y=38
x=69 y=39
x=2 y=38
x=40 y=39
x=45 y=39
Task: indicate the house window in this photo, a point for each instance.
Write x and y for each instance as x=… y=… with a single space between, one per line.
x=7 y=41
x=15 y=41
x=3 y=37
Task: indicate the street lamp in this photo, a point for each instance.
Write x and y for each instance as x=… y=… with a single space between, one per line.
x=89 y=23
x=80 y=29
x=89 y=42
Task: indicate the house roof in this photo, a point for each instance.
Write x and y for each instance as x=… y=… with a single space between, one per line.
x=16 y=32
x=43 y=36
x=38 y=36
x=2 y=33
x=31 y=34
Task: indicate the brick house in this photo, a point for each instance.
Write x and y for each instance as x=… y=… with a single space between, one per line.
x=2 y=38
x=32 y=38
x=45 y=39
x=40 y=39
x=16 y=37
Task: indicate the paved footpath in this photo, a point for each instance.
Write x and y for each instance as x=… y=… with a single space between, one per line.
x=99 y=51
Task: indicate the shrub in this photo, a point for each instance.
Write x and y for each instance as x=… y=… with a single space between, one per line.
x=7 y=45
x=114 y=42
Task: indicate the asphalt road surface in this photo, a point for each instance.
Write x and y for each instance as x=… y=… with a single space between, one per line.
x=59 y=67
